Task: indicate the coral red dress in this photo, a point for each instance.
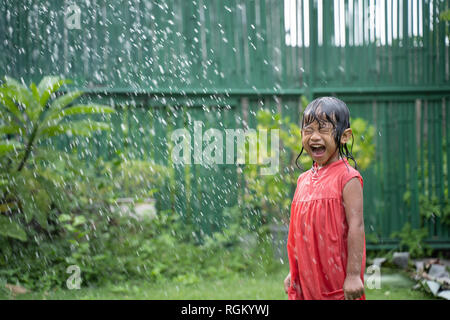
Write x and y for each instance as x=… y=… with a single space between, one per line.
x=317 y=241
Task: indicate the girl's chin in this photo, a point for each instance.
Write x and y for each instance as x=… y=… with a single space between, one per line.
x=322 y=159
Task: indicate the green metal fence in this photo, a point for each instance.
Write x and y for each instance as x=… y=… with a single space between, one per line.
x=412 y=142
x=173 y=62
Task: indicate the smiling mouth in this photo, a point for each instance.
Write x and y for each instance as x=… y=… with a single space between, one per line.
x=318 y=151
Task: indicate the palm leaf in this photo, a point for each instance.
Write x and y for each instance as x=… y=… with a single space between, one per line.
x=63 y=101
x=48 y=86
x=11 y=82
x=81 y=128
x=58 y=104
x=35 y=91
x=9 y=105
x=21 y=94
x=81 y=109
x=9 y=146
x=11 y=129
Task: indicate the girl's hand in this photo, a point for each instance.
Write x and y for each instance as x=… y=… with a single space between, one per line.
x=353 y=288
x=287 y=283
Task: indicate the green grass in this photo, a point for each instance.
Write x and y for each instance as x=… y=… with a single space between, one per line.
x=238 y=286
x=394 y=286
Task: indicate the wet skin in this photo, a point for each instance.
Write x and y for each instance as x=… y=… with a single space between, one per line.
x=318 y=141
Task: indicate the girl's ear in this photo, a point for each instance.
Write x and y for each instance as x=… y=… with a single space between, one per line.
x=346 y=135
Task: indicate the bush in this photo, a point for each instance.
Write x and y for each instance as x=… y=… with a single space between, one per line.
x=57 y=211
x=109 y=247
x=412 y=240
x=30 y=116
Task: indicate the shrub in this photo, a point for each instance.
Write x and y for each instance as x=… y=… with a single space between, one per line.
x=28 y=117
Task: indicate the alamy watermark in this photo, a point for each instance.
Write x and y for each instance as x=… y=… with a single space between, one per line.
x=218 y=152
x=74 y=281
x=72 y=17
x=373 y=281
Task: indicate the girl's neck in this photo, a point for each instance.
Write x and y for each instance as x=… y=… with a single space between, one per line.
x=334 y=158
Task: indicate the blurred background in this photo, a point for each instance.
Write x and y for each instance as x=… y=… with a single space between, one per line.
x=86 y=173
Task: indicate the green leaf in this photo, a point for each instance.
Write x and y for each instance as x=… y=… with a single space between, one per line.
x=9 y=146
x=23 y=185
x=82 y=110
x=358 y=125
x=14 y=83
x=22 y=95
x=79 y=220
x=5 y=207
x=82 y=128
x=48 y=86
x=9 y=228
x=28 y=208
x=9 y=105
x=445 y=15
x=64 y=217
x=11 y=129
x=61 y=102
x=35 y=91
x=70 y=228
x=43 y=202
x=41 y=218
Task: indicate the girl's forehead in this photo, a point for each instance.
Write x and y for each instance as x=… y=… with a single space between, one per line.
x=317 y=119
x=324 y=123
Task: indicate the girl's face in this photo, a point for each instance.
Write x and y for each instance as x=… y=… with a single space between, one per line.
x=318 y=141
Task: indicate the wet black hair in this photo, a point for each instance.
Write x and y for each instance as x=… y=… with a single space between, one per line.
x=336 y=112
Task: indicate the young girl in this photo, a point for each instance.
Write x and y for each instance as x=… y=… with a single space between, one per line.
x=326 y=242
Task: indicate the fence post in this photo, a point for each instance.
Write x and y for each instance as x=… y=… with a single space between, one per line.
x=312 y=48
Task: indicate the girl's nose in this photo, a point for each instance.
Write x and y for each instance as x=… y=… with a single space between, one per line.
x=315 y=136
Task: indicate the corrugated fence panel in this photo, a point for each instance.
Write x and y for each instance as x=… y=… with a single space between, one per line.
x=166 y=64
x=236 y=44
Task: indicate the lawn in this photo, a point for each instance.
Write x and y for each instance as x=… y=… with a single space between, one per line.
x=394 y=286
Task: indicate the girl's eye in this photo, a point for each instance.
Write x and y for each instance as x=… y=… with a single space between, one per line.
x=325 y=130
x=308 y=132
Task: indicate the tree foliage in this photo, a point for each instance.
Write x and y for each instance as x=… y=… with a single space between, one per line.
x=28 y=117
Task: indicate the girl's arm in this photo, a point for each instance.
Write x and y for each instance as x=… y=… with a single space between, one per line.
x=353 y=204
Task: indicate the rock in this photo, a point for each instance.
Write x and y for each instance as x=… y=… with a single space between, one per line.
x=123 y=206
x=434 y=286
x=444 y=294
x=433 y=275
x=432 y=261
x=145 y=209
x=438 y=271
x=16 y=289
x=420 y=266
x=401 y=259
